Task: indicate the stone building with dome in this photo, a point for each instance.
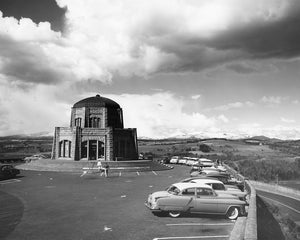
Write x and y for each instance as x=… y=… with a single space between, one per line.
x=96 y=132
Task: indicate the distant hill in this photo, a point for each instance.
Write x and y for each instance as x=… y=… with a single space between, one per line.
x=39 y=135
x=264 y=139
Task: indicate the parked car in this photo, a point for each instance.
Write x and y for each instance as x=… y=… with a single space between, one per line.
x=197 y=166
x=206 y=162
x=194 y=198
x=221 y=168
x=203 y=172
x=174 y=159
x=209 y=177
x=165 y=160
x=226 y=178
x=191 y=161
x=219 y=187
x=182 y=160
x=34 y=157
x=8 y=171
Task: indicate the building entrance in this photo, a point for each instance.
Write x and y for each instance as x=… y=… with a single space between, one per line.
x=92 y=149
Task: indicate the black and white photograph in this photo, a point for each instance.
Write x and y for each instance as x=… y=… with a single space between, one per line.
x=149 y=120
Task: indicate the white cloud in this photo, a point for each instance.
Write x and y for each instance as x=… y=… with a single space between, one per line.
x=285 y=120
x=31 y=110
x=38 y=66
x=161 y=115
x=196 y=97
x=230 y=106
x=276 y=131
x=273 y=99
x=223 y=118
x=129 y=37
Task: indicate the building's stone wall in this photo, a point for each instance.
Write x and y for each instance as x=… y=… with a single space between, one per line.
x=110 y=132
x=110 y=148
x=125 y=144
x=78 y=113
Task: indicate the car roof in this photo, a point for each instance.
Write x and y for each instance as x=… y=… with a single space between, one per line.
x=206 y=180
x=5 y=164
x=217 y=174
x=205 y=160
x=184 y=185
x=209 y=170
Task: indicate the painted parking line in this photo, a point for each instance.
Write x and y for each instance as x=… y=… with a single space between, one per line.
x=293 y=209
x=192 y=237
x=199 y=224
x=154 y=173
x=10 y=181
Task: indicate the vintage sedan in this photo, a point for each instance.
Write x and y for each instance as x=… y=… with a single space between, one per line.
x=223 y=177
x=34 y=157
x=219 y=187
x=174 y=159
x=195 y=198
x=8 y=171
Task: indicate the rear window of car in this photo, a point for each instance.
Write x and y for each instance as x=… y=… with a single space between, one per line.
x=204 y=192
x=189 y=191
x=6 y=167
x=218 y=186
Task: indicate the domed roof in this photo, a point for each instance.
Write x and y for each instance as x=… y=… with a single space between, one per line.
x=96 y=101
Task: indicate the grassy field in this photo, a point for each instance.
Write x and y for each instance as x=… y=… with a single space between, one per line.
x=230 y=149
x=291 y=184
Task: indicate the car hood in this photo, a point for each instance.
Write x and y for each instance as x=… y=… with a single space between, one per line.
x=160 y=194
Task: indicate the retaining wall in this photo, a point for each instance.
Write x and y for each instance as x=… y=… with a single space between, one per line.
x=245 y=228
x=274 y=188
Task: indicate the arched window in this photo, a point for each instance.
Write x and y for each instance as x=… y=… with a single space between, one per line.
x=94 y=122
x=78 y=122
x=65 y=148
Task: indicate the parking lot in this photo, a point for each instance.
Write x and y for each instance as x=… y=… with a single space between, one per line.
x=52 y=205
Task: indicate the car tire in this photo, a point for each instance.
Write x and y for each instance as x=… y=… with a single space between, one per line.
x=233 y=213
x=174 y=214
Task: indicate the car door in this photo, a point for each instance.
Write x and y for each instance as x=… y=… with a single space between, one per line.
x=206 y=201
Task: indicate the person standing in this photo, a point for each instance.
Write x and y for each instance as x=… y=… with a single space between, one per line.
x=99 y=166
x=105 y=168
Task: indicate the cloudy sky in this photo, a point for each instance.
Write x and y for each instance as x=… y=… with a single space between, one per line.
x=177 y=67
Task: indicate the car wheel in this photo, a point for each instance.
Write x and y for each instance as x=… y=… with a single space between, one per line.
x=174 y=214
x=233 y=213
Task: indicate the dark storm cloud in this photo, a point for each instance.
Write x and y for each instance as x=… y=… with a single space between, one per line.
x=269 y=35
x=25 y=63
x=263 y=39
x=241 y=68
x=37 y=10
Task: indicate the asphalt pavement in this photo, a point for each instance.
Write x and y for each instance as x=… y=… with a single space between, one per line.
x=54 y=205
x=288 y=205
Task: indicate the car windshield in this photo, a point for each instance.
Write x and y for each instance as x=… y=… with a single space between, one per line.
x=173 y=190
x=218 y=186
x=7 y=167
